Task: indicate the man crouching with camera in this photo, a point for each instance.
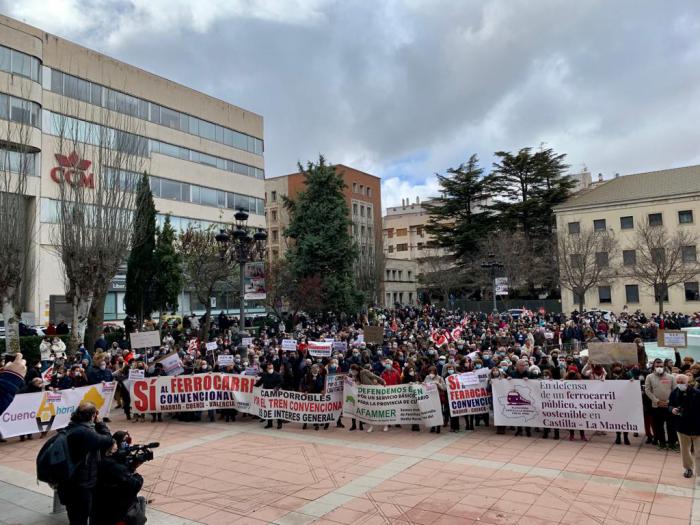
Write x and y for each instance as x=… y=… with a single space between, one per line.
x=116 y=498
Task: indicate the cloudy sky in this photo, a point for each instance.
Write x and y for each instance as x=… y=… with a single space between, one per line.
x=404 y=89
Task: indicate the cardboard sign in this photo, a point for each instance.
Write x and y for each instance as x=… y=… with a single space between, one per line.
x=135 y=373
x=247 y=341
x=320 y=348
x=609 y=353
x=672 y=338
x=224 y=360
x=289 y=345
x=374 y=334
x=145 y=339
x=340 y=346
x=212 y=345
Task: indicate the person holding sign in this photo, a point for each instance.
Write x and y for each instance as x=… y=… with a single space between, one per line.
x=433 y=377
x=684 y=403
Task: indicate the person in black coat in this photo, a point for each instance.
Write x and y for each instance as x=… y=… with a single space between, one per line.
x=86 y=436
x=117 y=486
x=684 y=403
x=270 y=380
x=314 y=383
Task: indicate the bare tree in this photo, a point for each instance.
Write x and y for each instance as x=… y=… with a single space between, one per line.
x=16 y=222
x=100 y=157
x=438 y=270
x=369 y=265
x=585 y=260
x=663 y=260
x=206 y=273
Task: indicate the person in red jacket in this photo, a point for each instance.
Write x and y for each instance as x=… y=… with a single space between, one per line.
x=391 y=374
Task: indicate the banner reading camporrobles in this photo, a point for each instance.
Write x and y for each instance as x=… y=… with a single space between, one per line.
x=579 y=405
x=409 y=404
x=44 y=411
x=192 y=393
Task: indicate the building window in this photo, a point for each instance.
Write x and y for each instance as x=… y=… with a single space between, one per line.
x=601 y=259
x=692 y=292
x=275 y=254
x=604 y=295
x=402 y=247
x=685 y=217
x=579 y=298
x=419 y=231
x=369 y=191
x=401 y=232
x=391 y=249
x=574 y=228
x=688 y=254
x=354 y=209
x=388 y=274
x=660 y=289
x=354 y=187
x=632 y=293
x=273 y=196
x=629 y=258
x=576 y=260
x=393 y=274
x=362 y=189
x=275 y=235
x=627 y=223
x=410 y=297
x=362 y=211
x=599 y=225
x=409 y=274
x=656 y=219
x=658 y=256
x=390 y=233
x=273 y=214
x=420 y=245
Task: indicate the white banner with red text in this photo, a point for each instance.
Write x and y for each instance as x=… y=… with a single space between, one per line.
x=579 y=405
x=410 y=404
x=467 y=393
x=44 y=411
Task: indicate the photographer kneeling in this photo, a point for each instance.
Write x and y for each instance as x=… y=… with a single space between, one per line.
x=116 y=498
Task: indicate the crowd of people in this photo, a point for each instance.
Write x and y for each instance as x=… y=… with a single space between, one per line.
x=419 y=344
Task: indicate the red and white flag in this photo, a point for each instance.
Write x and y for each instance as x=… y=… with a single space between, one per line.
x=193 y=346
x=457 y=334
x=47 y=375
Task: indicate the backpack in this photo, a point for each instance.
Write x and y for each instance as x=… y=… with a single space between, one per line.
x=53 y=463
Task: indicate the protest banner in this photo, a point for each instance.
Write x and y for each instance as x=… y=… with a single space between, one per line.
x=373 y=334
x=136 y=373
x=320 y=348
x=145 y=339
x=609 y=353
x=224 y=360
x=246 y=341
x=190 y=393
x=44 y=411
x=211 y=346
x=340 y=346
x=672 y=338
x=467 y=393
x=171 y=364
x=392 y=405
x=289 y=345
x=578 y=405
x=299 y=407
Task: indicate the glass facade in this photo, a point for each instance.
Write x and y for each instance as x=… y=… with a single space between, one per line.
x=20 y=110
x=87 y=91
x=18 y=63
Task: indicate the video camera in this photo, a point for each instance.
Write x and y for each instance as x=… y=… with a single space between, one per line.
x=134 y=455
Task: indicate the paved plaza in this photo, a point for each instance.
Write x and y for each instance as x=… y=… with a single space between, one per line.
x=219 y=473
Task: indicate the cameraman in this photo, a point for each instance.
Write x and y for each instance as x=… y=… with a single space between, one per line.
x=86 y=436
x=118 y=486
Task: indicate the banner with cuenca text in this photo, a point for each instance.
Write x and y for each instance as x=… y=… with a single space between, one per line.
x=410 y=404
x=467 y=393
x=579 y=405
x=44 y=411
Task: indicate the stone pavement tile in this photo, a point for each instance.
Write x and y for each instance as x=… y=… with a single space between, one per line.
x=531 y=520
x=453 y=520
x=494 y=517
x=461 y=510
x=665 y=520
x=672 y=506
x=545 y=513
x=344 y=515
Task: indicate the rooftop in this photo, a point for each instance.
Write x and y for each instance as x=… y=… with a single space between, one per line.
x=639 y=187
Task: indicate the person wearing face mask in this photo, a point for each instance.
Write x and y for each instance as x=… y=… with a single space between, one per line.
x=99 y=372
x=684 y=404
x=61 y=380
x=314 y=383
x=618 y=373
x=78 y=376
x=433 y=377
x=333 y=368
x=658 y=386
x=270 y=380
x=410 y=376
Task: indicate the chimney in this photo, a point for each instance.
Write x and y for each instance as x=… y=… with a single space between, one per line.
x=617 y=175
x=600 y=177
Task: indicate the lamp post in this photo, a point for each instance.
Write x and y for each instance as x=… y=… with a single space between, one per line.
x=242 y=244
x=492 y=265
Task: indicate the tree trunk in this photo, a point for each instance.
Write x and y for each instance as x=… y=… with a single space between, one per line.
x=95 y=319
x=81 y=308
x=11 y=325
x=204 y=330
x=580 y=306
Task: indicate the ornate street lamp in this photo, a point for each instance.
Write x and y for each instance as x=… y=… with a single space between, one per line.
x=242 y=244
x=492 y=265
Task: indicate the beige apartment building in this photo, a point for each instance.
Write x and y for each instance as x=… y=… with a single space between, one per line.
x=667 y=198
x=400 y=282
x=204 y=155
